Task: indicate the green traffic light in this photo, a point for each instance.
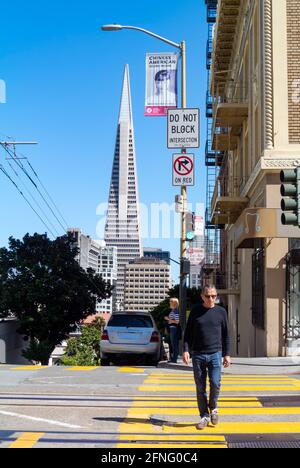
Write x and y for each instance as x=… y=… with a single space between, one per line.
x=289 y=219
x=190 y=236
x=289 y=175
x=290 y=189
x=289 y=204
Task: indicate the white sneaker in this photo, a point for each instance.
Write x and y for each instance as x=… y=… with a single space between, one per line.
x=214 y=417
x=203 y=423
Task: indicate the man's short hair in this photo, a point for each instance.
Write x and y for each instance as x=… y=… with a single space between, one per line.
x=162 y=75
x=208 y=286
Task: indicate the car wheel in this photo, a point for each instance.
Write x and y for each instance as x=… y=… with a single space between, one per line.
x=153 y=361
x=105 y=362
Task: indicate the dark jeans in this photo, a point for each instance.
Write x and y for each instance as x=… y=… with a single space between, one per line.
x=210 y=364
x=174 y=344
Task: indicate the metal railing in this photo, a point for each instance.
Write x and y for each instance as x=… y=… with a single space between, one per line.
x=222 y=281
x=231 y=93
x=226 y=187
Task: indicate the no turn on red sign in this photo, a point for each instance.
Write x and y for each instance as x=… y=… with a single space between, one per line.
x=183 y=170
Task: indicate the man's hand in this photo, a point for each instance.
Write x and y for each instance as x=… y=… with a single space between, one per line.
x=227 y=362
x=186 y=358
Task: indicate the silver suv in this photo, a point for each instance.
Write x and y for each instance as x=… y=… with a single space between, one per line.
x=130 y=333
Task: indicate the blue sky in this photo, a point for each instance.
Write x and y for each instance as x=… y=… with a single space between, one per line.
x=64 y=78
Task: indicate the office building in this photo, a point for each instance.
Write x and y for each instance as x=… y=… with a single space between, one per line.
x=147 y=283
x=122 y=228
x=102 y=259
x=157 y=253
x=254 y=134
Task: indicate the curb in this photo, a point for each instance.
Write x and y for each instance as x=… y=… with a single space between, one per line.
x=170 y=365
x=287 y=370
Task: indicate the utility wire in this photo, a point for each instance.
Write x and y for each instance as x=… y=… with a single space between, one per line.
x=54 y=204
x=46 y=191
x=42 y=185
x=32 y=197
x=20 y=165
x=27 y=201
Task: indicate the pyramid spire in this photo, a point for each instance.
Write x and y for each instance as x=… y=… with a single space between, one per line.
x=126 y=107
x=122 y=228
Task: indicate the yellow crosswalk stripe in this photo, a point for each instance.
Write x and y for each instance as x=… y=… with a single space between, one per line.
x=175 y=437
x=27 y=440
x=225 y=383
x=237 y=376
x=191 y=379
x=191 y=388
x=159 y=446
x=191 y=399
x=131 y=369
x=224 y=404
x=141 y=431
x=284 y=427
x=146 y=412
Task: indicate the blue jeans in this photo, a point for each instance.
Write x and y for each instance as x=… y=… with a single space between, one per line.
x=210 y=364
x=174 y=344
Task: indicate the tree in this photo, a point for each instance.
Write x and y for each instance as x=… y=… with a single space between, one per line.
x=163 y=309
x=43 y=286
x=84 y=350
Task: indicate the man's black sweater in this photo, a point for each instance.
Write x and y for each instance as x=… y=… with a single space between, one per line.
x=207 y=331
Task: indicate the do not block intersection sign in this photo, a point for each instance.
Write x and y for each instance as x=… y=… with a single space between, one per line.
x=183 y=170
x=183 y=128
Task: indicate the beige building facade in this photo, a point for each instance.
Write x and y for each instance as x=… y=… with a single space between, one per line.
x=147 y=283
x=255 y=88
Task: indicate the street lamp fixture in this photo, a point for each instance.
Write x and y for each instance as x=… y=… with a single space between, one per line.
x=183 y=250
x=111 y=27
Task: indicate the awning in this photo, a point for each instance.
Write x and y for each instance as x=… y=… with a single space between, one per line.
x=261 y=223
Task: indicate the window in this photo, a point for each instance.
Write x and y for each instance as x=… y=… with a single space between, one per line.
x=258 y=287
x=293 y=291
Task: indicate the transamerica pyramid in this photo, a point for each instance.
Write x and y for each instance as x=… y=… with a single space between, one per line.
x=123 y=220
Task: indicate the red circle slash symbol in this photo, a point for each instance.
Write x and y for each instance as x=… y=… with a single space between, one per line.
x=183 y=165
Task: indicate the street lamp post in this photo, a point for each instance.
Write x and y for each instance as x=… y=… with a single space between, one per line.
x=182 y=47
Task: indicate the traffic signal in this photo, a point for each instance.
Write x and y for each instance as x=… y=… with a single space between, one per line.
x=190 y=226
x=290 y=190
x=185 y=266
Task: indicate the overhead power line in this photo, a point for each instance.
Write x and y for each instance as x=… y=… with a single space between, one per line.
x=27 y=201
x=32 y=197
x=53 y=202
x=21 y=166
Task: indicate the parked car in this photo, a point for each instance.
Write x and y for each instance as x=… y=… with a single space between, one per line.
x=130 y=334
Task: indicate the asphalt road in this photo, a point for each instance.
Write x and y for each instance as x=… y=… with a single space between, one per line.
x=125 y=407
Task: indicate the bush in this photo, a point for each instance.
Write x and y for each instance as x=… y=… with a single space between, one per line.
x=85 y=350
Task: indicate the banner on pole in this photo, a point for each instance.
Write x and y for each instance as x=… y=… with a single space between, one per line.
x=161 y=83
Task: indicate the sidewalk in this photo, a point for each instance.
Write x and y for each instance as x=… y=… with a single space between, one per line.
x=268 y=366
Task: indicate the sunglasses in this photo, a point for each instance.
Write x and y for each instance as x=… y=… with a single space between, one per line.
x=208 y=296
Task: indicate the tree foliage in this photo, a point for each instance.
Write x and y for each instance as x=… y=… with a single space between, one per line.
x=43 y=286
x=84 y=350
x=163 y=309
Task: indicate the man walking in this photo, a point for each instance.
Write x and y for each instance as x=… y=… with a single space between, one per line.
x=206 y=337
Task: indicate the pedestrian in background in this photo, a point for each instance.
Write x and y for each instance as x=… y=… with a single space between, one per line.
x=174 y=328
x=206 y=338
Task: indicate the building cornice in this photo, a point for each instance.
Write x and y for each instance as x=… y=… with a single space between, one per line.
x=268 y=164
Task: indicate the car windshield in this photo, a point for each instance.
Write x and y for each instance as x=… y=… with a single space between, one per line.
x=136 y=321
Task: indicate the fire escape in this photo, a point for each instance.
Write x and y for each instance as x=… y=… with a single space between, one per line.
x=226 y=110
x=213 y=162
